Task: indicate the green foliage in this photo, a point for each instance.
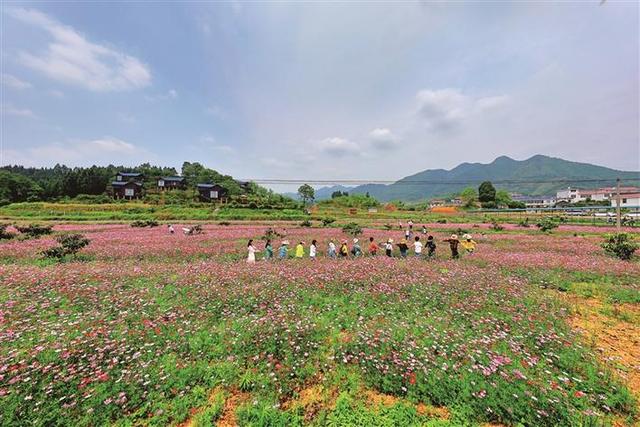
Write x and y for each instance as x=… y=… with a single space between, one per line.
x=621 y=245
x=547 y=223
x=469 y=197
x=351 y=201
x=339 y=194
x=145 y=223
x=524 y=223
x=305 y=223
x=352 y=229
x=69 y=244
x=17 y=188
x=327 y=221
x=486 y=192
x=306 y=193
x=35 y=230
x=495 y=225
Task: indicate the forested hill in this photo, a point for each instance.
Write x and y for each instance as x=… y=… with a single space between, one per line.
x=18 y=183
x=439 y=182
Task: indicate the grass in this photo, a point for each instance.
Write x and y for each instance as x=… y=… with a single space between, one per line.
x=133 y=336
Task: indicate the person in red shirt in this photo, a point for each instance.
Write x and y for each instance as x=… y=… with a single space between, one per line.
x=373 y=247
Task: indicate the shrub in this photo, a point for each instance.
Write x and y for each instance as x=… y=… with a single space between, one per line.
x=4 y=234
x=495 y=225
x=524 y=223
x=224 y=223
x=352 y=228
x=388 y=226
x=441 y=221
x=305 y=223
x=620 y=245
x=328 y=221
x=271 y=234
x=35 y=230
x=145 y=223
x=69 y=244
x=547 y=224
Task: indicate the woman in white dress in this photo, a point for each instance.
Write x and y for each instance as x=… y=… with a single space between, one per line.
x=251 y=258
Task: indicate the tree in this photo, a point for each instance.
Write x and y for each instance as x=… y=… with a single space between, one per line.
x=17 y=188
x=503 y=198
x=306 y=193
x=487 y=192
x=469 y=197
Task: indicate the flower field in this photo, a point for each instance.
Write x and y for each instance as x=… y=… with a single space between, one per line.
x=149 y=328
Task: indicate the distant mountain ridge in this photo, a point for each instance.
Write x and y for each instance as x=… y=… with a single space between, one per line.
x=505 y=172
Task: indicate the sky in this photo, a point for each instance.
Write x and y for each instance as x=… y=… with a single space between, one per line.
x=318 y=90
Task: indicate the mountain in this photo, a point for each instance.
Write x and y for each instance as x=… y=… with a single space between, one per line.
x=322 y=193
x=520 y=176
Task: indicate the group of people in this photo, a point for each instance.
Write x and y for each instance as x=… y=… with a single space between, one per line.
x=344 y=251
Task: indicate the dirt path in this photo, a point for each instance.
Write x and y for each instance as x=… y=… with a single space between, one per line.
x=616 y=341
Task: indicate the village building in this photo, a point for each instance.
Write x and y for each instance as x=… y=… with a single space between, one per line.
x=127 y=190
x=129 y=176
x=627 y=200
x=536 y=201
x=171 y=183
x=211 y=192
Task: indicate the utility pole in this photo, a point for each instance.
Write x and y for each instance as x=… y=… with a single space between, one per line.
x=618 y=204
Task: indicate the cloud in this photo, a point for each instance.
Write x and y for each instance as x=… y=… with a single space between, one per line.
x=208 y=142
x=72 y=59
x=80 y=152
x=446 y=109
x=383 y=139
x=170 y=94
x=14 y=82
x=338 y=146
x=10 y=110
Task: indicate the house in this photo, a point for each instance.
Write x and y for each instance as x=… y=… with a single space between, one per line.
x=536 y=201
x=127 y=189
x=571 y=195
x=627 y=200
x=609 y=193
x=129 y=176
x=171 y=183
x=436 y=202
x=211 y=192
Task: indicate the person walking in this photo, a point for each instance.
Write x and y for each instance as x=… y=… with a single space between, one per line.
x=268 y=250
x=300 y=250
x=403 y=248
x=373 y=247
x=283 y=252
x=313 y=249
x=171 y=229
x=431 y=247
x=332 y=249
x=344 y=250
x=417 y=246
x=251 y=257
x=410 y=224
x=468 y=244
x=424 y=229
x=356 y=250
x=453 y=245
x=407 y=234
x=388 y=248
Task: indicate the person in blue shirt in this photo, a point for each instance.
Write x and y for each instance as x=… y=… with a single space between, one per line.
x=283 y=252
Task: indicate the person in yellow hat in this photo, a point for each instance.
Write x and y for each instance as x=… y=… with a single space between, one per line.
x=468 y=244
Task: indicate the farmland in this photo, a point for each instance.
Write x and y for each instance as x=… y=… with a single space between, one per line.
x=149 y=328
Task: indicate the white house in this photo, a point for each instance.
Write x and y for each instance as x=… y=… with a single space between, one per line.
x=627 y=200
x=572 y=195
